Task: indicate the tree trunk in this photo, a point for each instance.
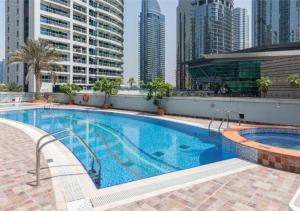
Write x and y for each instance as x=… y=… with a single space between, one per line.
x=37 y=85
x=106 y=99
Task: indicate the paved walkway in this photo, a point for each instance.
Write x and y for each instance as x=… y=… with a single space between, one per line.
x=17 y=157
x=260 y=188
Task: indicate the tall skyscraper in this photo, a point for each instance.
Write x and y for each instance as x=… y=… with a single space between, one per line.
x=240 y=29
x=203 y=27
x=213 y=26
x=185 y=14
x=275 y=22
x=87 y=33
x=151 y=41
x=2 y=65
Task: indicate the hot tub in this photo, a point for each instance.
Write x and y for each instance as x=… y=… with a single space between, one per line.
x=277 y=147
x=276 y=137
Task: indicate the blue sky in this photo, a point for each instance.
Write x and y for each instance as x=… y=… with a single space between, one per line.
x=132 y=10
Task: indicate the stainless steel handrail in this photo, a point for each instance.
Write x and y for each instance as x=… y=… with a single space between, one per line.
x=71 y=134
x=50 y=134
x=48 y=105
x=226 y=112
x=213 y=118
x=219 y=128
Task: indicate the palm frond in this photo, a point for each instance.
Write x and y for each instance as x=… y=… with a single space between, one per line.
x=37 y=55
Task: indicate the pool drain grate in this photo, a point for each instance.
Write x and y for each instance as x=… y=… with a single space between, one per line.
x=184 y=146
x=158 y=154
x=127 y=163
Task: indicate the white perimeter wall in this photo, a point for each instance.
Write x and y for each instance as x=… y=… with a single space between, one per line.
x=261 y=110
x=6 y=97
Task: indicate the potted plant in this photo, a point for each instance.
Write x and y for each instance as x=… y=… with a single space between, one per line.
x=294 y=80
x=108 y=87
x=263 y=84
x=70 y=90
x=216 y=87
x=131 y=81
x=157 y=91
x=37 y=55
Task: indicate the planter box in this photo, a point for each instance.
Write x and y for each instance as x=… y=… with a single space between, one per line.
x=39 y=101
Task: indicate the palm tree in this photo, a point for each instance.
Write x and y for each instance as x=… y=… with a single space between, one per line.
x=131 y=81
x=38 y=56
x=263 y=84
x=294 y=80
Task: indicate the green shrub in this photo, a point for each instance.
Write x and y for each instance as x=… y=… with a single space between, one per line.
x=108 y=87
x=70 y=90
x=158 y=90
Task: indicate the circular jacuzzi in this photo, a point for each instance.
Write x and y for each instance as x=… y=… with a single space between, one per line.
x=276 y=137
x=277 y=147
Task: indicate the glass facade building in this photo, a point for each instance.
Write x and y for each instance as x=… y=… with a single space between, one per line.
x=213 y=26
x=185 y=42
x=275 y=22
x=239 y=77
x=151 y=41
x=238 y=71
x=240 y=29
x=203 y=27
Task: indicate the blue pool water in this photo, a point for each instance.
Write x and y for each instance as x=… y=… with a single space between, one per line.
x=283 y=140
x=130 y=147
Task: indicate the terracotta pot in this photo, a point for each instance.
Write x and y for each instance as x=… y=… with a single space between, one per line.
x=71 y=102
x=105 y=106
x=39 y=101
x=161 y=111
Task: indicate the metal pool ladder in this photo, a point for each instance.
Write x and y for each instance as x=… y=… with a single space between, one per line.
x=222 y=121
x=39 y=147
x=48 y=105
x=225 y=117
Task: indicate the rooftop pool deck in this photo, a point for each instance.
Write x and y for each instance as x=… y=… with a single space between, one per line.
x=232 y=184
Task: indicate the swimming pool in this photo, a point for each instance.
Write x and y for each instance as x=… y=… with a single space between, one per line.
x=284 y=138
x=130 y=147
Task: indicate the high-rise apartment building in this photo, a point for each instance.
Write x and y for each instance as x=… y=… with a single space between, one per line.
x=275 y=22
x=213 y=26
x=87 y=33
x=240 y=29
x=2 y=66
x=185 y=20
x=151 y=41
x=203 y=27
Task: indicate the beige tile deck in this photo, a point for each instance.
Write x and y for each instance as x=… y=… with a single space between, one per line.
x=17 y=156
x=260 y=188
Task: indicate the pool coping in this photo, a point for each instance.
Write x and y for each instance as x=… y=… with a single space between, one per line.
x=80 y=193
x=233 y=134
x=275 y=157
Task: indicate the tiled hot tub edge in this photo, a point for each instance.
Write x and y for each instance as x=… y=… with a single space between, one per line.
x=274 y=157
x=279 y=161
